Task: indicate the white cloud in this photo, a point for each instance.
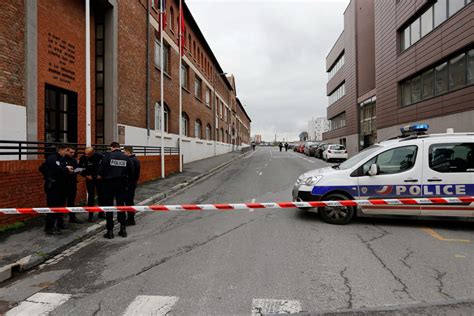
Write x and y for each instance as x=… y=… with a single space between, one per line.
x=276 y=50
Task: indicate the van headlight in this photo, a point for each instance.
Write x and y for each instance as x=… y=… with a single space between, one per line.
x=312 y=180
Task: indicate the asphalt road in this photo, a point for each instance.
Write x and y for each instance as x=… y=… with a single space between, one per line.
x=257 y=261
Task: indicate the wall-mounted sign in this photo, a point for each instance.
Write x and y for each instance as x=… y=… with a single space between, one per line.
x=62 y=58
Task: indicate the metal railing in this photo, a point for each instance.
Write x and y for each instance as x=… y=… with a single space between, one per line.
x=23 y=149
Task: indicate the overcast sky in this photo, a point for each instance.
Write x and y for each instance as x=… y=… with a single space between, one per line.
x=277 y=51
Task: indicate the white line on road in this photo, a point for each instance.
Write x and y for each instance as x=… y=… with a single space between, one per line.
x=260 y=173
x=39 y=304
x=151 y=305
x=253 y=201
x=269 y=306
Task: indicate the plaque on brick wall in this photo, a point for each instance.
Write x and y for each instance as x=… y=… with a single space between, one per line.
x=61 y=59
x=121 y=134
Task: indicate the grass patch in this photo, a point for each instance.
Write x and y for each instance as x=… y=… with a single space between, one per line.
x=9 y=227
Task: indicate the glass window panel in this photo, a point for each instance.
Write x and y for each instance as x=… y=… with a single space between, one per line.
x=470 y=67
x=157 y=54
x=416 y=89
x=406 y=38
x=99 y=48
x=406 y=93
x=63 y=102
x=63 y=122
x=100 y=128
x=100 y=64
x=454 y=6
x=440 y=11
x=441 y=79
x=99 y=95
x=100 y=32
x=397 y=160
x=428 y=84
x=166 y=52
x=457 y=72
x=99 y=112
x=415 y=31
x=450 y=158
x=427 y=22
x=99 y=83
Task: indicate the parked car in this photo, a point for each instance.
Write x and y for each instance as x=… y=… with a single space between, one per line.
x=335 y=152
x=307 y=146
x=312 y=150
x=319 y=150
x=301 y=149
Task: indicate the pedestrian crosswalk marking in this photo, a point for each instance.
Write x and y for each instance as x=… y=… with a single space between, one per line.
x=270 y=306
x=151 y=305
x=39 y=304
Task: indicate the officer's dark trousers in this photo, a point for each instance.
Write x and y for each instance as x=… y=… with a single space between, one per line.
x=93 y=186
x=114 y=189
x=54 y=199
x=130 y=200
x=71 y=198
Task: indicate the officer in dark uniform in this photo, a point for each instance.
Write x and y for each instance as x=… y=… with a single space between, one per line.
x=115 y=170
x=71 y=182
x=90 y=163
x=132 y=184
x=55 y=174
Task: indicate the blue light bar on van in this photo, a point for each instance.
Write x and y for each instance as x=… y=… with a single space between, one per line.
x=416 y=128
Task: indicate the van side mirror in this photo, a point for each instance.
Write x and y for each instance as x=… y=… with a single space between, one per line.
x=374 y=170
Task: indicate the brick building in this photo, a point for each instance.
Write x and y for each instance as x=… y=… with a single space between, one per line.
x=42 y=78
x=417 y=66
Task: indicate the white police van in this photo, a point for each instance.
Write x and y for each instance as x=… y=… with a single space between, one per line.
x=414 y=165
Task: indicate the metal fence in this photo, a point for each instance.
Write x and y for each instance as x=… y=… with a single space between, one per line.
x=25 y=149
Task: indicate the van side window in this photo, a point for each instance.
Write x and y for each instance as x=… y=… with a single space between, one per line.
x=452 y=157
x=393 y=161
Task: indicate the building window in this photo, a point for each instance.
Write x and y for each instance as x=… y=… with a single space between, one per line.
x=221 y=107
x=368 y=123
x=454 y=74
x=429 y=19
x=166 y=113
x=428 y=84
x=158 y=56
x=189 y=42
x=184 y=124
x=427 y=22
x=221 y=136
x=225 y=114
x=457 y=72
x=337 y=94
x=60 y=115
x=172 y=19
x=337 y=121
x=99 y=86
x=336 y=66
x=208 y=97
x=184 y=75
x=197 y=129
x=470 y=67
x=208 y=132
x=198 y=87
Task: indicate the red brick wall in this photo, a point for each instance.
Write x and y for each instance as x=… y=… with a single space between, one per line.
x=21 y=184
x=12 y=54
x=65 y=20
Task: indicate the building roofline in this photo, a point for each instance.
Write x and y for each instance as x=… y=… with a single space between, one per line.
x=206 y=45
x=243 y=110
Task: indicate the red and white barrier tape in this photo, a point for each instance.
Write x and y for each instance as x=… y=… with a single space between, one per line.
x=238 y=206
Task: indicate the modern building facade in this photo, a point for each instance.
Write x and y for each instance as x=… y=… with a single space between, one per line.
x=42 y=78
x=316 y=128
x=403 y=62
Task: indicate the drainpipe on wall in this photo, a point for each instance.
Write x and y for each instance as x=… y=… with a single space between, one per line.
x=88 y=75
x=148 y=72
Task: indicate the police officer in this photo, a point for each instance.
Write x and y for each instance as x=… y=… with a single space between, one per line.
x=90 y=163
x=71 y=182
x=280 y=145
x=55 y=174
x=132 y=184
x=115 y=170
x=286 y=146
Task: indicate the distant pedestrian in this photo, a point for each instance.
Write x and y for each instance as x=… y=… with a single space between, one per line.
x=253 y=145
x=90 y=163
x=55 y=173
x=71 y=182
x=115 y=170
x=286 y=146
x=281 y=146
x=132 y=184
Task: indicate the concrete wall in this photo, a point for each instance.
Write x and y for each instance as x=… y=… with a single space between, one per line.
x=12 y=124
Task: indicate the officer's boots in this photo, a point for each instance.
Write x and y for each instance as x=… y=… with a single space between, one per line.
x=123 y=231
x=109 y=234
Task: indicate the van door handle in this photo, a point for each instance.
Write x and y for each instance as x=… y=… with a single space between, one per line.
x=435 y=180
x=411 y=180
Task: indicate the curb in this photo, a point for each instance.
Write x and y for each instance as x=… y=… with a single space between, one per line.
x=35 y=259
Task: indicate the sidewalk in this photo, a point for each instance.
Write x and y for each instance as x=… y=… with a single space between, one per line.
x=29 y=246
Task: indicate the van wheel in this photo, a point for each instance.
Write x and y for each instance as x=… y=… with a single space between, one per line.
x=337 y=215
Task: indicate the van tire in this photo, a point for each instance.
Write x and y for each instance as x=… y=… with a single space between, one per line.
x=337 y=215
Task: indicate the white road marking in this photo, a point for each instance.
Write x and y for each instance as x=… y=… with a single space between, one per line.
x=269 y=306
x=151 y=305
x=253 y=201
x=39 y=304
x=260 y=173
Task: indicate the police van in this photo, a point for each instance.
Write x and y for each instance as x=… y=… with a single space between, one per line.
x=413 y=165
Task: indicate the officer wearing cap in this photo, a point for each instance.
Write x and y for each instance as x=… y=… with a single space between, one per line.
x=115 y=170
x=71 y=182
x=132 y=184
x=55 y=174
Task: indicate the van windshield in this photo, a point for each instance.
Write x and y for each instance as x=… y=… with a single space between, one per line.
x=354 y=160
